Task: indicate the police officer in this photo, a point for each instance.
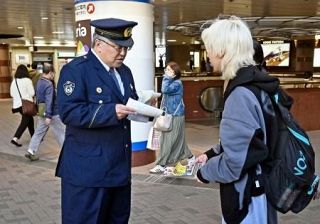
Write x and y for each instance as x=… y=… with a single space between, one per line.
x=95 y=161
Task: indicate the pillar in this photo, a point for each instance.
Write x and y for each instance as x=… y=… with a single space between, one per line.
x=139 y=58
x=304 y=55
x=5 y=77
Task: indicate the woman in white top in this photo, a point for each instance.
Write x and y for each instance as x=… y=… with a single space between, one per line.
x=23 y=82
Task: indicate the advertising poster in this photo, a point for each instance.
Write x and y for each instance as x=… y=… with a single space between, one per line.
x=276 y=53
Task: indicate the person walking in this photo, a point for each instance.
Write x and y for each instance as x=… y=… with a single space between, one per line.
x=235 y=161
x=173 y=146
x=95 y=160
x=48 y=115
x=34 y=74
x=23 y=84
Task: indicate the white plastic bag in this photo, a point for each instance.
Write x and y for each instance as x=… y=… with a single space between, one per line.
x=153 y=139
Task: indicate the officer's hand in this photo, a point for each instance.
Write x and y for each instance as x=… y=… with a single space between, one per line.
x=47 y=121
x=122 y=111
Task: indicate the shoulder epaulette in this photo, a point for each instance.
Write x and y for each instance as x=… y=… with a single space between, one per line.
x=79 y=60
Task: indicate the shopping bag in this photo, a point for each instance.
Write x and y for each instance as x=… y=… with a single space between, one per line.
x=153 y=139
x=41 y=109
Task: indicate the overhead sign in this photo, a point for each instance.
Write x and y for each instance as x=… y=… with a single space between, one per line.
x=83 y=36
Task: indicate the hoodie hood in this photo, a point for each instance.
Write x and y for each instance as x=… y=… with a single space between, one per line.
x=251 y=75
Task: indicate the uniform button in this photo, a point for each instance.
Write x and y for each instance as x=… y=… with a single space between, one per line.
x=100 y=101
x=125 y=127
x=127 y=145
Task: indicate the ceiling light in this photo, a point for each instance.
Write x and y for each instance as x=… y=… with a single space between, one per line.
x=37 y=37
x=57 y=32
x=20 y=27
x=44 y=18
x=171 y=40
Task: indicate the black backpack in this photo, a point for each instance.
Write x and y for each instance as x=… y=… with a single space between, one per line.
x=289 y=178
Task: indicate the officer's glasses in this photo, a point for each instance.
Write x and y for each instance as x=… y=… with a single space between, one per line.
x=117 y=47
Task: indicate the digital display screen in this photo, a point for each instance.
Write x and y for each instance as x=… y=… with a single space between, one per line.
x=276 y=53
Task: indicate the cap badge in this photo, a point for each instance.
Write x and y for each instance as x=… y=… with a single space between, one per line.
x=127 y=32
x=99 y=90
x=68 y=87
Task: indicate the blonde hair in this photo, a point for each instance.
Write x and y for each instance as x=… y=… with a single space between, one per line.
x=229 y=39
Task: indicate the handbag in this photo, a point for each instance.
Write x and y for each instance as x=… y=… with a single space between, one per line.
x=28 y=107
x=164 y=122
x=153 y=139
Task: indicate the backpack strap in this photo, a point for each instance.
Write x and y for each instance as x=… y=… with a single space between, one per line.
x=257 y=187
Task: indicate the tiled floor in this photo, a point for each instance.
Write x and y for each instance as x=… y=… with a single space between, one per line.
x=29 y=192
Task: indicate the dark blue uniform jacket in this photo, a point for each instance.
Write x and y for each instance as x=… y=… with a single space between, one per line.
x=97 y=147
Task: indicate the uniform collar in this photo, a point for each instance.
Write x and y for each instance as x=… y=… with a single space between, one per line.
x=99 y=59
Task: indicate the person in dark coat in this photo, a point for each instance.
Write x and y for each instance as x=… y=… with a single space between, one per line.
x=95 y=160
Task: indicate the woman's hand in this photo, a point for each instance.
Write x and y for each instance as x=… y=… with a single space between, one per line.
x=203 y=158
x=169 y=72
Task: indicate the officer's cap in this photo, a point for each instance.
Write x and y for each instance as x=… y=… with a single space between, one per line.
x=116 y=30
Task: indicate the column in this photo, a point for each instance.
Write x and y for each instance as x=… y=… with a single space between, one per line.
x=5 y=77
x=139 y=58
